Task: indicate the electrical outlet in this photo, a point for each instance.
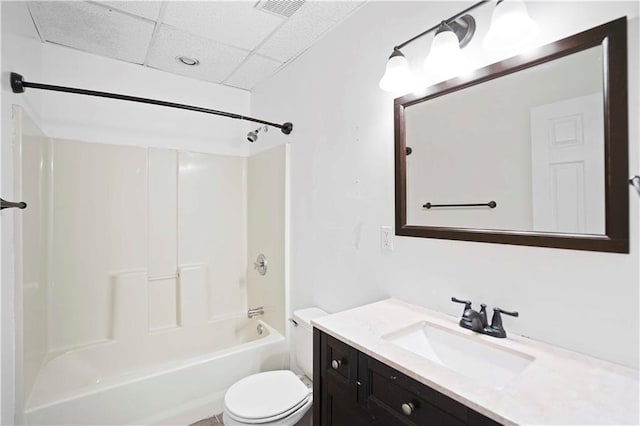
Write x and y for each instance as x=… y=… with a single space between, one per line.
x=386 y=238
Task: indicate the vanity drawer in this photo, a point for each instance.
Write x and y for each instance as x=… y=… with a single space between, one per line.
x=339 y=362
x=388 y=390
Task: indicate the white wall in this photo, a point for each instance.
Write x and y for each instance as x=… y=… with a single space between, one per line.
x=342 y=191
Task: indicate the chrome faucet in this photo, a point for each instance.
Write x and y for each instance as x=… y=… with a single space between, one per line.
x=477 y=321
x=254 y=312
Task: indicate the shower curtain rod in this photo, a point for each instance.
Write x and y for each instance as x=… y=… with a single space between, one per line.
x=18 y=85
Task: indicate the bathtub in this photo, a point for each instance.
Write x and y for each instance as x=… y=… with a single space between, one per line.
x=167 y=377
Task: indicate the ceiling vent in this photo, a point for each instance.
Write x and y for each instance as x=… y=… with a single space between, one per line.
x=281 y=8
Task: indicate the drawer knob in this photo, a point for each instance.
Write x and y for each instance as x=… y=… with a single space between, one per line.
x=408 y=408
x=335 y=364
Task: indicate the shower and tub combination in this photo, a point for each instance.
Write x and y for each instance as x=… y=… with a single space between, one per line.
x=137 y=276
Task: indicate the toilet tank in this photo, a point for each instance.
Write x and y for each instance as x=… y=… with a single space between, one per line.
x=303 y=338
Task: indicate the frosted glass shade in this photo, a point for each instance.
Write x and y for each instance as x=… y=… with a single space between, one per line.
x=445 y=58
x=397 y=76
x=510 y=27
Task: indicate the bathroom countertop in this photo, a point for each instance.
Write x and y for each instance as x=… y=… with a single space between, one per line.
x=559 y=387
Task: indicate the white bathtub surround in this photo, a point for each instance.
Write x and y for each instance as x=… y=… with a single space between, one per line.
x=123 y=257
x=175 y=377
x=193 y=301
x=34 y=178
x=136 y=265
x=266 y=230
x=558 y=387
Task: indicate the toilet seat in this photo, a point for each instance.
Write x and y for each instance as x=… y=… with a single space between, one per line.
x=266 y=397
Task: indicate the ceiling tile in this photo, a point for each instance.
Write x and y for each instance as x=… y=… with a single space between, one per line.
x=145 y=9
x=305 y=27
x=94 y=28
x=255 y=69
x=234 y=23
x=217 y=60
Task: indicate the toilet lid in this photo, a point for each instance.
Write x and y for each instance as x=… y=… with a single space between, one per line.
x=269 y=395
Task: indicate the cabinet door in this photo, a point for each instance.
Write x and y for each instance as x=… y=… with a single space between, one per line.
x=339 y=409
x=336 y=384
x=339 y=364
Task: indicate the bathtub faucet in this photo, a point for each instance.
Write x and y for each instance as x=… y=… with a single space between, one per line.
x=254 y=312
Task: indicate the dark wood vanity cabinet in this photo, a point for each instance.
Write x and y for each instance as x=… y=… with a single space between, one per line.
x=352 y=389
x=338 y=364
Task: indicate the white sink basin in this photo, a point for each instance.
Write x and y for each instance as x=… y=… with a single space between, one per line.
x=491 y=365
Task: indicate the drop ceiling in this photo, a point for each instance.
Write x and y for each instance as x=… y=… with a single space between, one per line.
x=237 y=43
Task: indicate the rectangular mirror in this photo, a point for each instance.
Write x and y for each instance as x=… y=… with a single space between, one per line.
x=531 y=150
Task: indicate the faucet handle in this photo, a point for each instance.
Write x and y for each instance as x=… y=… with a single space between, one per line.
x=467 y=307
x=513 y=314
x=496 y=329
x=467 y=303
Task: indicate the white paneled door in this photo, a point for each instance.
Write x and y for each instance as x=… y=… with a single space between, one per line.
x=567 y=154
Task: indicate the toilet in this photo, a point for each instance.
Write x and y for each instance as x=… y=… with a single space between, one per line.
x=277 y=397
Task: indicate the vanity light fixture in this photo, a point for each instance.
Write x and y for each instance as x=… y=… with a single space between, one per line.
x=445 y=57
x=510 y=26
x=397 y=76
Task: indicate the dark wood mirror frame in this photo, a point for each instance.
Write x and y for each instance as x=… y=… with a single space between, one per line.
x=612 y=37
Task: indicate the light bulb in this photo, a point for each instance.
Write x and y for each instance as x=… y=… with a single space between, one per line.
x=511 y=26
x=445 y=58
x=397 y=77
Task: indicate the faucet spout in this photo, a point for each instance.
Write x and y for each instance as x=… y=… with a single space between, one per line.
x=254 y=312
x=472 y=320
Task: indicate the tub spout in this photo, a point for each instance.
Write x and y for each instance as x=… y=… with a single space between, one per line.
x=254 y=312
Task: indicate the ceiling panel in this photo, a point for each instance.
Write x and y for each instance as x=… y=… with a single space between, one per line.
x=94 y=28
x=255 y=69
x=234 y=23
x=217 y=61
x=146 y=9
x=237 y=43
x=305 y=27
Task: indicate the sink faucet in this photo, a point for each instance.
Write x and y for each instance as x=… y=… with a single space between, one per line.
x=477 y=321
